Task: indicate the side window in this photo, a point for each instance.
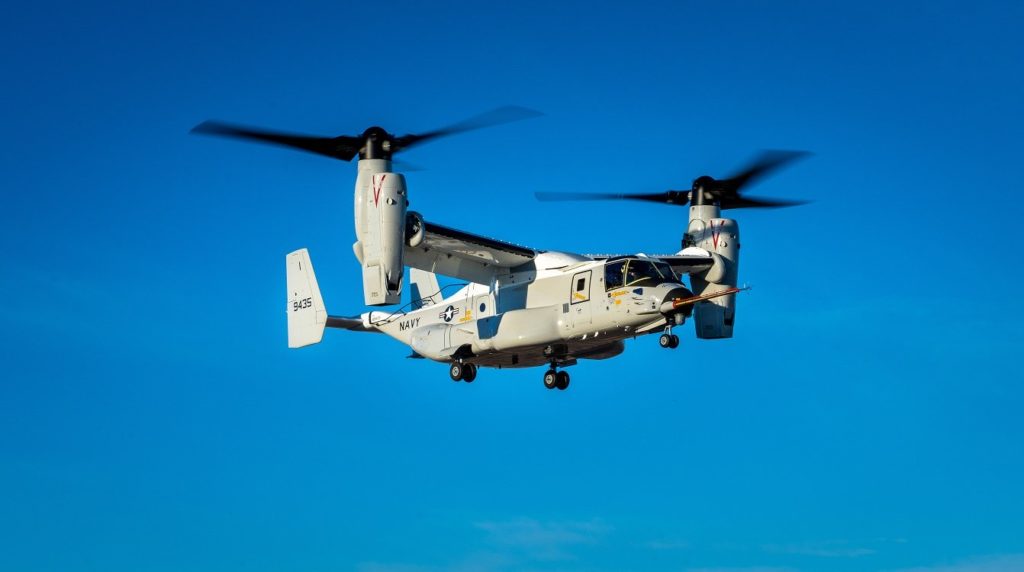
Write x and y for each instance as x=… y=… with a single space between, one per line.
x=580 y=287
x=613 y=274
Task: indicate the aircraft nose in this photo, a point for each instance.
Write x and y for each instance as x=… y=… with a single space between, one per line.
x=668 y=303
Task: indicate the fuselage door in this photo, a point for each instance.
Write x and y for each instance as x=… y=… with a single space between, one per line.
x=579 y=298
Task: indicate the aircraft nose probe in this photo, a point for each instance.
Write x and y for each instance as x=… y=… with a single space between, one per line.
x=674 y=303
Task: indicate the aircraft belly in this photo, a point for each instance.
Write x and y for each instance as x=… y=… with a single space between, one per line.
x=533 y=357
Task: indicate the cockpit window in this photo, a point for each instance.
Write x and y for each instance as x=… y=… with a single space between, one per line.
x=637 y=272
x=613 y=274
x=666 y=271
x=647 y=273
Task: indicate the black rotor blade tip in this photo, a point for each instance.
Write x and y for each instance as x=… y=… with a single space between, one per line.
x=499 y=116
x=763 y=164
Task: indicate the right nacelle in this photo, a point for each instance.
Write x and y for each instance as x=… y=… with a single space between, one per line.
x=721 y=237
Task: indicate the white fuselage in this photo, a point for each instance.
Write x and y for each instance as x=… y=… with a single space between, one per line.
x=556 y=310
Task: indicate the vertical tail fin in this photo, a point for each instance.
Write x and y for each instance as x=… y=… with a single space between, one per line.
x=425 y=290
x=307 y=315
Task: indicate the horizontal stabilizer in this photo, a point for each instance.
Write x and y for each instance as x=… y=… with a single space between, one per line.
x=354 y=323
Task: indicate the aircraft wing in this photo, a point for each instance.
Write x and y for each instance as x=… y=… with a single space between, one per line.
x=687 y=263
x=464 y=255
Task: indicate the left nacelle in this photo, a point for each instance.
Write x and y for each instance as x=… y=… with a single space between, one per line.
x=380 y=229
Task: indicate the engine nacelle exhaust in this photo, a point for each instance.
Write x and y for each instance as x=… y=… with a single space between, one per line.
x=720 y=237
x=415 y=229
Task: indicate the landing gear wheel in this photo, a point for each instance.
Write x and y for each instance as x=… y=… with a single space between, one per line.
x=550 y=379
x=665 y=340
x=562 y=380
x=456 y=371
x=675 y=341
x=469 y=373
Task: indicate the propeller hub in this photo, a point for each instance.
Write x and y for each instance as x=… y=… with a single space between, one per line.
x=376 y=144
x=704 y=182
x=701 y=194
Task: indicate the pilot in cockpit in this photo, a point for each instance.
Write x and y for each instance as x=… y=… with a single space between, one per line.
x=632 y=273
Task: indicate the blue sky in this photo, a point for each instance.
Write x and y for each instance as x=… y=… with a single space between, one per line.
x=865 y=417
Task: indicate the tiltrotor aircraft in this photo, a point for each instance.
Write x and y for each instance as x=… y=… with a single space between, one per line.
x=520 y=307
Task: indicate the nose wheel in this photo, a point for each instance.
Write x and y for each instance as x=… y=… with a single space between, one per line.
x=556 y=379
x=668 y=340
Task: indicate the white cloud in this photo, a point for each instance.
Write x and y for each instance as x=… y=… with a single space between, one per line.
x=747 y=569
x=542 y=540
x=391 y=567
x=994 y=563
x=828 y=549
x=667 y=544
x=515 y=544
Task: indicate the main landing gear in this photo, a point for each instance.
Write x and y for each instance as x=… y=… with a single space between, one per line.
x=668 y=340
x=459 y=371
x=554 y=378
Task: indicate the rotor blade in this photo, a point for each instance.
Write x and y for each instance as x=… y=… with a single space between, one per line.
x=679 y=198
x=343 y=147
x=737 y=202
x=498 y=116
x=766 y=162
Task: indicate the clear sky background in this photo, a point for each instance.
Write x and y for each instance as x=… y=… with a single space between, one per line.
x=867 y=415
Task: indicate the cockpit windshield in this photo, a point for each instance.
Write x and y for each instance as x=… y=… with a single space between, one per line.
x=637 y=272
